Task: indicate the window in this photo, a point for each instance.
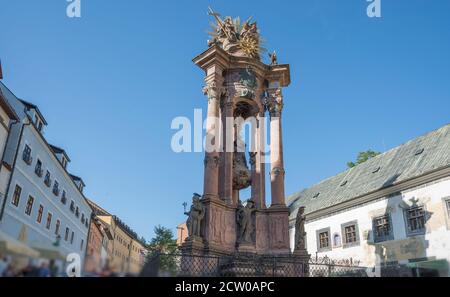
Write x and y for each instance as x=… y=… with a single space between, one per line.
x=72 y=206
x=49 y=221
x=56 y=188
x=29 y=207
x=77 y=212
x=82 y=218
x=415 y=220
x=26 y=155
x=323 y=240
x=382 y=228
x=57 y=227
x=63 y=197
x=66 y=235
x=16 y=196
x=38 y=169
x=39 y=126
x=81 y=245
x=72 y=237
x=447 y=205
x=40 y=212
x=47 y=180
x=350 y=233
x=64 y=162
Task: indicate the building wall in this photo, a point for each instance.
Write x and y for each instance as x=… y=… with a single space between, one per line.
x=94 y=249
x=182 y=233
x=402 y=248
x=5 y=173
x=136 y=257
x=121 y=250
x=15 y=219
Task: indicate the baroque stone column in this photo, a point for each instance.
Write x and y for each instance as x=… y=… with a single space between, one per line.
x=212 y=147
x=228 y=147
x=274 y=104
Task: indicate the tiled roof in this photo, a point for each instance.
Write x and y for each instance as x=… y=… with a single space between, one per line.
x=412 y=159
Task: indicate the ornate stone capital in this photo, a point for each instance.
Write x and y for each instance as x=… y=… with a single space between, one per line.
x=273 y=102
x=213 y=91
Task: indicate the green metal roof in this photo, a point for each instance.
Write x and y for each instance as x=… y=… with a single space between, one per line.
x=412 y=159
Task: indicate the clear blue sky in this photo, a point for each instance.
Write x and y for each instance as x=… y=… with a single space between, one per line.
x=110 y=84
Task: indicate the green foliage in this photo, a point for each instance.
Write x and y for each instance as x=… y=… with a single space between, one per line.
x=163 y=243
x=363 y=157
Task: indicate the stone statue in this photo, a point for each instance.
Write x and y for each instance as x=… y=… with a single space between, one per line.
x=245 y=221
x=273 y=58
x=300 y=233
x=195 y=216
x=233 y=38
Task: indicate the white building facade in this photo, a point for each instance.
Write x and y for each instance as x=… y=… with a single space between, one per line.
x=44 y=204
x=393 y=210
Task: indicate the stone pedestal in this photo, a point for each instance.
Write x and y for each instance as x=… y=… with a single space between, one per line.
x=193 y=245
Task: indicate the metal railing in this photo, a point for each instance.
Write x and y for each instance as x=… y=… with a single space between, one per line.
x=179 y=265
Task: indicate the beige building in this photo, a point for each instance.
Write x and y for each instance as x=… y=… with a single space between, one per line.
x=126 y=252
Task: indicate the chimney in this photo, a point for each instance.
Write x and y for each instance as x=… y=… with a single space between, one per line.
x=1 y=73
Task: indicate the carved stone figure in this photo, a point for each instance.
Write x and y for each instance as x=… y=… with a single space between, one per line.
x=245 y=221
x=273 y=58
x=195 y=217
x=242 y=176
x=300 y=233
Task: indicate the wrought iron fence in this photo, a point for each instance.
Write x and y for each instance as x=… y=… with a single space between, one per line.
x=178 y=265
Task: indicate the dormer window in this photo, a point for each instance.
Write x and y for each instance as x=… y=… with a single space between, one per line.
x=64 y=162
x=38 y=123
x=81 y=187
x=26 y=155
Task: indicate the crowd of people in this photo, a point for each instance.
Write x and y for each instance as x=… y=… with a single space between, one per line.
x=46 y=268
x=9 y=269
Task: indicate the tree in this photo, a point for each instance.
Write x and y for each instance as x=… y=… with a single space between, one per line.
x=163 y=245
x=163 y=242
x=363 y=157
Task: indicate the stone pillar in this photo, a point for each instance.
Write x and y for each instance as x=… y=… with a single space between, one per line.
x=212 y=148
x=257 y=165
x=274 y=104
x=228 y=144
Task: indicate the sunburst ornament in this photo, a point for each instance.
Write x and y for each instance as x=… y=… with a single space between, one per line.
x=250 y=46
